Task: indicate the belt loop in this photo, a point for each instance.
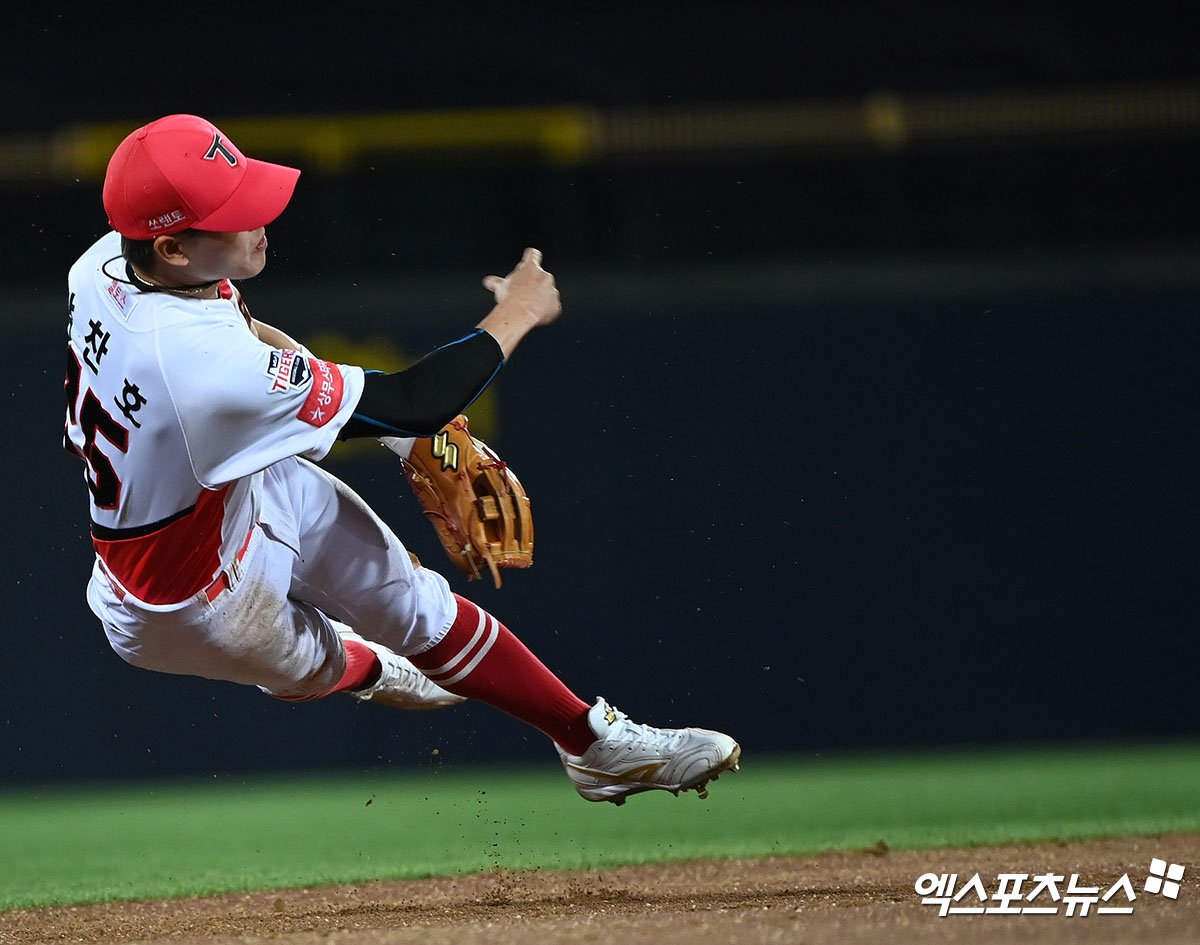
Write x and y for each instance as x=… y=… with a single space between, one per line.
x=231 y=577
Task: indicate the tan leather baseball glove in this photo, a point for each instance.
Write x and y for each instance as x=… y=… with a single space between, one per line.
x=476 y=503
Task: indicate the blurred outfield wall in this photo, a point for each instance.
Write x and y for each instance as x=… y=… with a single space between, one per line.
x=869 y=422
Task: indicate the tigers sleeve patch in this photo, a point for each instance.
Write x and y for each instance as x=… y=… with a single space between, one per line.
x=287 y=370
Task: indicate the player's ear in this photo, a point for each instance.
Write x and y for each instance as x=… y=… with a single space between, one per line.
x=170 y=251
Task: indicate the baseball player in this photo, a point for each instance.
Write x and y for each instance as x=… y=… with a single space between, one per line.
x=222 y=550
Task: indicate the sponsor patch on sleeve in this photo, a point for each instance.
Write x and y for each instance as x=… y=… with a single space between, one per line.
x=287 y=371
x=325 y=396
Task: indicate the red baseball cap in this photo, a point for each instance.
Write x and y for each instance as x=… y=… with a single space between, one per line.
x=181 y=172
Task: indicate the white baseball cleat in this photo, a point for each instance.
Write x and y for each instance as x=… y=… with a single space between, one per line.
x=400 y=685
x=628 y=758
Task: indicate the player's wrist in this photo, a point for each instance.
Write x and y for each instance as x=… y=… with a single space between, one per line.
x=521 y=310
x=508 y=324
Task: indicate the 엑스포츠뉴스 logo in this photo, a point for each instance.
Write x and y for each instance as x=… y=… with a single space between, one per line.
x=1164 y=878
x=1047 y=893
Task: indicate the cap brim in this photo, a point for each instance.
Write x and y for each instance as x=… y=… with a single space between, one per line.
x=260 y=197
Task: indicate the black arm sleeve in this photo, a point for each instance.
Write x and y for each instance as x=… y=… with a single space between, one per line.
x=422 y=399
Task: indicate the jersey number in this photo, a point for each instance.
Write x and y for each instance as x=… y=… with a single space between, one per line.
x=92 y=418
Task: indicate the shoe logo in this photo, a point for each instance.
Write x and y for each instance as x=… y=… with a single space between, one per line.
x=643 y=775
x=610 y=715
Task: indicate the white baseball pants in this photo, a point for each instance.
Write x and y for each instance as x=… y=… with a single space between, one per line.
x=320 y=557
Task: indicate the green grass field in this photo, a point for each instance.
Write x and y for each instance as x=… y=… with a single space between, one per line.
x=66 y=846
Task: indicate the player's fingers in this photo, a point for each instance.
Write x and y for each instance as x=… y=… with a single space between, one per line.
x=533 y=256
x=492 y=283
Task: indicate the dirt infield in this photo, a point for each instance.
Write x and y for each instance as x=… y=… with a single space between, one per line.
x=862 y=896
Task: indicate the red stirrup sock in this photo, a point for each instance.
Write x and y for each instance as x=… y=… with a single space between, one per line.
x=362 y=667
x=480 y=658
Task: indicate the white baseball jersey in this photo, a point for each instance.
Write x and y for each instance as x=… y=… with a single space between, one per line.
x=176 y=409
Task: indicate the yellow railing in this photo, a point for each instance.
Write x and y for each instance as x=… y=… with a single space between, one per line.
x=879 y=123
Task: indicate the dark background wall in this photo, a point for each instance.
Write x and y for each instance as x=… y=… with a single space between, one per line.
x=853 y=447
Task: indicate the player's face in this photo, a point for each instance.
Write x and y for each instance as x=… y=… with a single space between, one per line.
x=224 y=255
